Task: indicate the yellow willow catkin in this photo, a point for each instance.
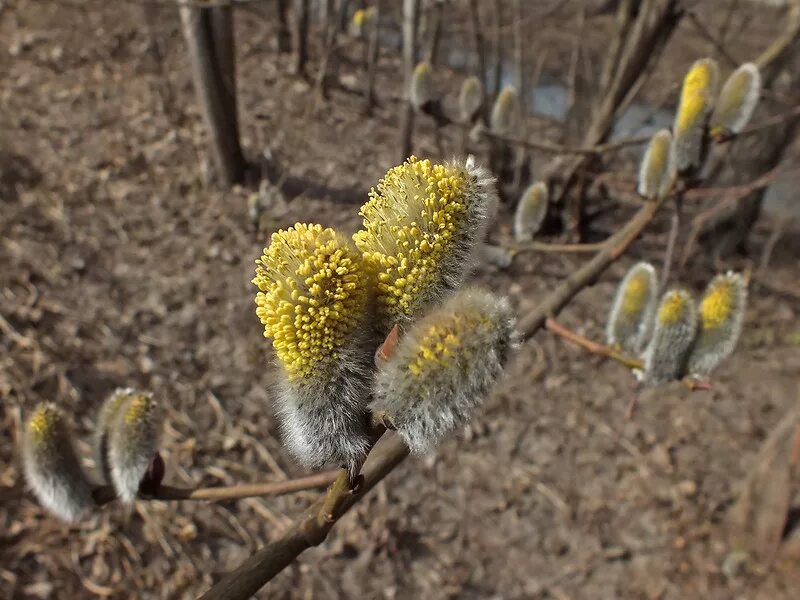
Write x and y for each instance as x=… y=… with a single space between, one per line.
x=673 y=334
x=737 y=101
x=444 y=367
x=506 y=112
x=133 y=439
x=421 y=228
x=656 y=172
x=697 y=101
x=531 y=211
x=470 y=99
x=720 y=323
x=421 y=85
x=313 y=302
x=52 y=468
x=633 y=308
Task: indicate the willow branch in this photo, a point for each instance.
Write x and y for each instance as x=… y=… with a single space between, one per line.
x=613 y=248
x=590 y=346
x=105 y=494
x=308 y=531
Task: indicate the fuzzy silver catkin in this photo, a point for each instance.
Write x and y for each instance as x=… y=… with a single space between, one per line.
x=444 y=367
x=656 y=171
x=673 y=335
x=531 y=211
x=470 y=99
x=322 y=416
x=421 y=85
x=133 y=440
x=720 y=323
x=109 y=411
x=506 y=112
x=737 y=100
x=633 y=308
x=52 y=468
x=697 y=101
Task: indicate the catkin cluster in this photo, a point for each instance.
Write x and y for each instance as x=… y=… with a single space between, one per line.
x=327 y=303
x=126 y=440
x=681 y=337
x=702 y=116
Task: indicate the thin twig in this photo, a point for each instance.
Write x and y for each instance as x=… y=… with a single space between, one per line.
x=105 y=494
x=601 y=350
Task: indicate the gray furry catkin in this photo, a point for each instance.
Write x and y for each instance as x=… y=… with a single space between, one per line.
x=444 y=367
x=132 y=441
x=52 y=468
x=737 y=101
x=109 y=412
x=673 y=334
x=314 y=304
x=470 y=99
x=531 y=211
x=633 y=308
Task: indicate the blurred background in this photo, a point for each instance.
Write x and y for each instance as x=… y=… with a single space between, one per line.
x=147 y=152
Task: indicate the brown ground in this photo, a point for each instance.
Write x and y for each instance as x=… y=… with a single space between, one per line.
x=120 y=265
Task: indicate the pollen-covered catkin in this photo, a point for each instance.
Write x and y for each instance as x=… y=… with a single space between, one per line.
x=134 y=437
x=313 y=303
x=470 y=99
x=444 y=367
x=697 y=101
x=421 y=85
x=109 y=411
x=421 y=228
x=737 y=101
x=506 y=112
x=656 y=171
x=531 y=211
x=52 y=467
x=673 y=334
x=720 y=323
x=633 y=308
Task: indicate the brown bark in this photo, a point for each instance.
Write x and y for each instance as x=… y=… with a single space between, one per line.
x=209 y=36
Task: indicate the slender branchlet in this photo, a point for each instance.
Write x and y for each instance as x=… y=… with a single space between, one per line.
x=633 y=308
x=470 y=99
x=673 y=334
x=531 y=211
x=720 y=323
x=421 y=227
x=697 y=101
x=505 y=117
x=111 y=409
x=313 y=303
x=421 y=92
x=52 y=467
x=737 y=101
x=657 y=170
x=133 y=440
x=444 y=367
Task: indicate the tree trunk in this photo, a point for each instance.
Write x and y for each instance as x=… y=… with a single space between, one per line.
x=284 y=34
x=372 y=58
x=410 y=22
x=301 y=18
x=209 y=36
